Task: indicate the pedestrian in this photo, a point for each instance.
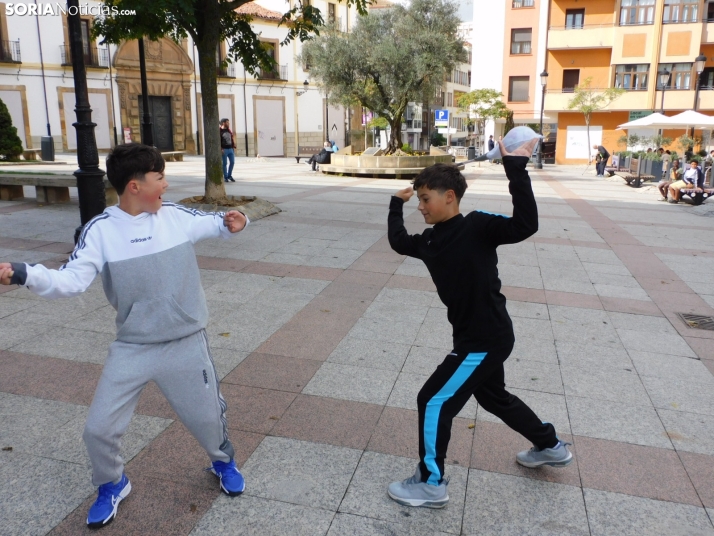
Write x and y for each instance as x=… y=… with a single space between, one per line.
x=691 y=179
x=667 y=181
x=491 y=145
x=323 y=157
x=604 y=155
x=498 y=160
x=335 y=148
x=460 y=254
x=143 y=249
x=228 y=145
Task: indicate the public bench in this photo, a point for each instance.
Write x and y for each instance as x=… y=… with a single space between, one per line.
x=633 y=176
x=49 y=189
x=306 y=151
x=173 y=156
x=31 y=154
x=616 y=167
x=697 y=195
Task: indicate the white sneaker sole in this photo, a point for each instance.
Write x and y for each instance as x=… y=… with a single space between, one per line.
x=562 y=463
x=419 y=502
x=123 y=495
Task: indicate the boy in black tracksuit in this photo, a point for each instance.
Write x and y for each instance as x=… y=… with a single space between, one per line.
x=460 y=254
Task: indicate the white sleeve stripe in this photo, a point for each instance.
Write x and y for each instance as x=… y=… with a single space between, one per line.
x=81 y=243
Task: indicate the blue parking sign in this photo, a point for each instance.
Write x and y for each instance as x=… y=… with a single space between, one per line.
x=441 y=118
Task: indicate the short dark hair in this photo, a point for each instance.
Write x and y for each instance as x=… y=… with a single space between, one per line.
x=442 y=177
x=132 y=161
x=223 y=121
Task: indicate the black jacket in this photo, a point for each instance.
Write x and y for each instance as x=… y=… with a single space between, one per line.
x=324 y=156
x=491 y=144
x=460 y=255
x=603 y=152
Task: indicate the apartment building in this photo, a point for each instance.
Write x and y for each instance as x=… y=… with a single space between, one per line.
x=272 y=112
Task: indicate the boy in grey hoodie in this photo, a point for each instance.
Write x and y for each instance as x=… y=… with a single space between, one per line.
x=143 y=249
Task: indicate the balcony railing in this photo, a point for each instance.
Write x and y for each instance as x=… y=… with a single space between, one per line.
x=279 y=72
x=228 y=71
x=517 y=4
x=93 y=56
x=10 y=51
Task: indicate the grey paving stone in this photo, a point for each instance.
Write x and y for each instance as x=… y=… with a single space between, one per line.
x=586 y=333
x=71 y=344
x=370 y=354
x=507 y=505
x=568 y=285
x=532 y=328
x=615 y=421
x=407 y=387
x=608 y=384
x=601 y=268
x=681 y=395
x=549 y=407
x=535 y=350
x=301 y=286
x=533 y=376
x=527 y=310
x=513 y=275
x=616 y=280
x=51 y=489
x=9 y=306
x=615 y=513
x=634 y=322
x=663 y=343
x=300 y=472
x=597 y=255
x=388 y=312
x=424 y=359
x=690 y=432
x=367 y=496
x=343 y=524
x=671 y=367
x=238 y=288
x=347 y=382
x=628 y=292
x=254 y=516
x=395 y=331
x=405 y=296
x=593 y=356
x=413 y=270
x=225 y=360
x=335 y=258
x=560 y=314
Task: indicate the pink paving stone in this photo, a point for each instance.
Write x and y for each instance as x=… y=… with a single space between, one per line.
x=533 y=295
x=571 y=299
x=634 y=470
x=409 y=282
x=625 y=305
x=679 y=302
x=254 y=410
x=224 y=265
x=267 y=268
x=381 y=267
x=667 y=285
x=700 y=468
x=709 y=363
x=273 y=372
x=289 y=343
x=703 y=347
x=344 y=423
x=361 y=277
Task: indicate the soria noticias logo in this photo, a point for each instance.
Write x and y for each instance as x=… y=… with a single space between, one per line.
x=62 y=9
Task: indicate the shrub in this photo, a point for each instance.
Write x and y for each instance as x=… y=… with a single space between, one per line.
x=407 y=148
x=10 y=144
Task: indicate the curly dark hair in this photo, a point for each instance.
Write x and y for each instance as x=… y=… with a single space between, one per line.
x=442 y=177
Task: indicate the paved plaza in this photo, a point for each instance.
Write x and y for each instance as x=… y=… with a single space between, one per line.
x=323 y=336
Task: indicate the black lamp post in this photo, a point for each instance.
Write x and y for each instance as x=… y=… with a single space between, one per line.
x=543 y=83
x=665 y=77
x=304 y=84
x=327 y=118
x=699 y=65
x=90 y=178
x=147 y=133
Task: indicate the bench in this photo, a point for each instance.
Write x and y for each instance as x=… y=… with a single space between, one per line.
x=31 y=154
x=306 y=151
x=633 y=176
x=616 y=167
x=49 y=189
x=173 y=156
x=697 y=195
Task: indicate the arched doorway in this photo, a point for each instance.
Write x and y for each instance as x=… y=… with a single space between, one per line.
x=168 y=72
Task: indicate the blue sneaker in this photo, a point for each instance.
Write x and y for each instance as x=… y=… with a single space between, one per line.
x=104 y=509
x=232 y=482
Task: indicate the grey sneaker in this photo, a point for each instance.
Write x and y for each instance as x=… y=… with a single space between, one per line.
x=558 y=456
x=414 y=492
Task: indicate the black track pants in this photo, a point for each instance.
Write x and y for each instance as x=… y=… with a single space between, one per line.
x=445 y=393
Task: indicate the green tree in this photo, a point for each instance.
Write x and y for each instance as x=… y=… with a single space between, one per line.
x=10 y=144
x=588 y=100
x=509 y=122
x=393 y=56
x=483 y=105
x=208 y=22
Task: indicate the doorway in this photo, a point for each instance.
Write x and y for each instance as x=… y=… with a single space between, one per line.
x=161 y=124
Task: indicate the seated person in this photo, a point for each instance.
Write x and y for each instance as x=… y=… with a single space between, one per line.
x=675 y=174
x=691 y=178
x=323 y=157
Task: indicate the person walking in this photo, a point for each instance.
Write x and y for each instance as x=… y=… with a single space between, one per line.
x=228 y=145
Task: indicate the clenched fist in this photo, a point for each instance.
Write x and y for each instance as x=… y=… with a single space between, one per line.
x=405 y=194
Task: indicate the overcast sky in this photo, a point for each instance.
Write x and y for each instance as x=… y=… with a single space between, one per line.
x=466 y=10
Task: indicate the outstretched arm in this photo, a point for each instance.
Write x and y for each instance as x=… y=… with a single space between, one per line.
x=200 y=225
x=401 y=241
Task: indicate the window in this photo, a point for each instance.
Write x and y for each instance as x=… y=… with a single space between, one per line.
x=518 y=88
x=574 y=19
x=571 y=78
x=681 y=75
x=521 y=41
x=632 y=77
x=710 y=12
x=271 y=48
x=461 y=77
x=449 y=99
x=680 y=11
x=706 y=79
x=637 y=12
x=517 y=4
x=331 y=13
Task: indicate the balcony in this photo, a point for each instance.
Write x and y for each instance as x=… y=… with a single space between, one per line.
x=10 y=52
x=226 y=71
x=588 y=36
x=93 y=56
x=279 y=72
x=558 y=99
x=708 y=32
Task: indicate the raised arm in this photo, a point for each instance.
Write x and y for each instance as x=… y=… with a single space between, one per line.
x=401 y=241
x=200 y=225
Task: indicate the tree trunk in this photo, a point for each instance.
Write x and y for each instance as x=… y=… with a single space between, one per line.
x=587 y=129
x=395 y=135
x=215 y=189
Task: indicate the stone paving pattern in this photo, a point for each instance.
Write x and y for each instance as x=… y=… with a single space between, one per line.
x=323 y=336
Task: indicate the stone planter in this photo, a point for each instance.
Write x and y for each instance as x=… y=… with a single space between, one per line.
x=657 y=169
x=389 y=166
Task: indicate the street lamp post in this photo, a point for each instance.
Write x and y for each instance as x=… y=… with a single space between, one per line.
x=297 y=113
x=699 y=63
x=665 y=77
x=543 y=83
x=327 y=117
x=90 y=178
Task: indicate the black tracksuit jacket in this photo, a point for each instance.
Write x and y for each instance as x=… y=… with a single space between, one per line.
x=460 y=255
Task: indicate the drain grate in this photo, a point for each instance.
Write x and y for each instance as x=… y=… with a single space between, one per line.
x=697 y=321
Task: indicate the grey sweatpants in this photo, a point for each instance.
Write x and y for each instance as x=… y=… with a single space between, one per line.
x=183 y=370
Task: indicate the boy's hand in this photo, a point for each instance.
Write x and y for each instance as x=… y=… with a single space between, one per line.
x=523 y=150
x=235 y=221
x=406 y=194
x=5 y=273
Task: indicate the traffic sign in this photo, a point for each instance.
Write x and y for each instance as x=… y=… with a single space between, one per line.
x=441 y=118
